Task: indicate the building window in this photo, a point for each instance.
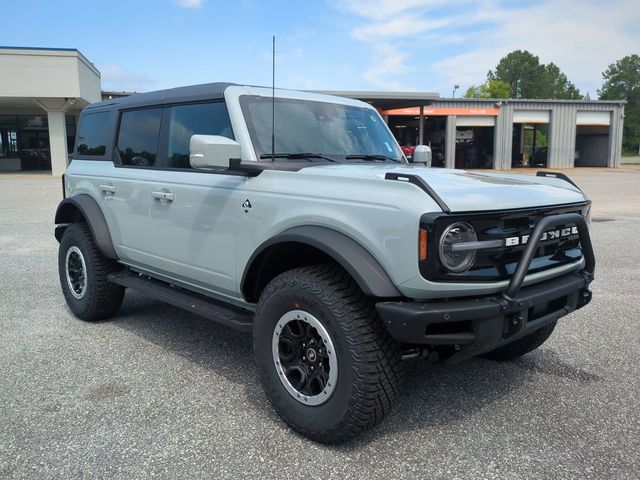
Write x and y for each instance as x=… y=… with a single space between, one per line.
x=8 y=136
x=92 y=136
x=33 y=122
x=138 y=137
x=188 y=120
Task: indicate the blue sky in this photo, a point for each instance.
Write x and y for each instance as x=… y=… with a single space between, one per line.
x=419 y=45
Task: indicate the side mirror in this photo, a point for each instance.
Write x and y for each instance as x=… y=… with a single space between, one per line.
x=422 y=154
x=212 y=151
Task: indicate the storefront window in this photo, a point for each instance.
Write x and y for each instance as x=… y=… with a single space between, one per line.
x=33 y=122
x=24 y=141
x=8 y=136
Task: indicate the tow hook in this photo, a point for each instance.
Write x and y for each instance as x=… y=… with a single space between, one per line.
x=513 y=324
x=420 y=353
x=585 y=297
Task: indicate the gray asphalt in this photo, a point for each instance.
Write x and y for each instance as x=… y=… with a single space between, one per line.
x=162 y=393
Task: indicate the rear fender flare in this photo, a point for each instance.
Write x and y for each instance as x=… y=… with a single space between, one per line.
x=83 y=207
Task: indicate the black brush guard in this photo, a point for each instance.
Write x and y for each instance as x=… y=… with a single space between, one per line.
x=477 y=325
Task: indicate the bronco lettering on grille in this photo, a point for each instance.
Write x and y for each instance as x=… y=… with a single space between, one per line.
x=546 y=236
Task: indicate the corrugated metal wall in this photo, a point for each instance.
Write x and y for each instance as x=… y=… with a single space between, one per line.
x=615 y=136
x=562 y=136
x=444 y=103
x=503 y=138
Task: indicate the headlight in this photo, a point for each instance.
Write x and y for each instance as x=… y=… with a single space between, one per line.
x=587 y=214
x=454 y=255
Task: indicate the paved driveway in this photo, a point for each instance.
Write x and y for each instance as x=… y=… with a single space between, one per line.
x=160 y=392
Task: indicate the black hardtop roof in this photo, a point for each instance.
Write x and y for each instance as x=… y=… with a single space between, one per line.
x=206 y=91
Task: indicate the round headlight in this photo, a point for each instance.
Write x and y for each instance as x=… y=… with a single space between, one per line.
x=454 y=259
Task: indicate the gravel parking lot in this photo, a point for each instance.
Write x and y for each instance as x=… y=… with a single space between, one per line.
x=160 y=392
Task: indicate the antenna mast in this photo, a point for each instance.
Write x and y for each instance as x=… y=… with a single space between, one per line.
x=273 y=103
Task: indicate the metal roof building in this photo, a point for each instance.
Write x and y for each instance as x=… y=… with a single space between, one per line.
x=504 y=133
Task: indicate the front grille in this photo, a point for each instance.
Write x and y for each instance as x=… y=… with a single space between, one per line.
x=500 y=263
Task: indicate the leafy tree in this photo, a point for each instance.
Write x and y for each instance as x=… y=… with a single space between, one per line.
x=622 y=82
x=556 y=85
x=489 y=89
x=528 y=78
x=520 y=70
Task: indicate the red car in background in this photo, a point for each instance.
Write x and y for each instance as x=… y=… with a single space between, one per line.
x=408 y=151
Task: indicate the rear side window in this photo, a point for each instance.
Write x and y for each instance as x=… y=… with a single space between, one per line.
x=138 y=137
x=188 y=120
x=92 y=135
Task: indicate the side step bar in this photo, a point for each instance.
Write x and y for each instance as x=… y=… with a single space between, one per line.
x=228 y=316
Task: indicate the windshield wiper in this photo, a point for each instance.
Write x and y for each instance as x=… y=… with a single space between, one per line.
x=371 y=158
x=296 y=155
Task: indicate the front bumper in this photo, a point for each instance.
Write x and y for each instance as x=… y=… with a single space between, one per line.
x=478 y=325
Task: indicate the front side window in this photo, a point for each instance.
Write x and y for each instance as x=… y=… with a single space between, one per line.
x=320 y=127
x=188 y=120
x=92 y=135
x=138 y=137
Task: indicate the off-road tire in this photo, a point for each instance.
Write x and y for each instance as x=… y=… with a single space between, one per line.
x=102 y=298
x=522 y=346
x=369 y=365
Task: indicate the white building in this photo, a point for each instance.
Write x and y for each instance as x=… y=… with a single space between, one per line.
x=41 y=94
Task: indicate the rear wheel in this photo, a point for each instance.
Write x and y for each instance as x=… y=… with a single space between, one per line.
x=522 y=346
x=84 y=272
x=325 y=360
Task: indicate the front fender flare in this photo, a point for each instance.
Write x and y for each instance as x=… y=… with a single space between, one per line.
x=90 y=212
x=367 y=272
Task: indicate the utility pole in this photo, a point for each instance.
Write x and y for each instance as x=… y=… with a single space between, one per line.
x=455 y=87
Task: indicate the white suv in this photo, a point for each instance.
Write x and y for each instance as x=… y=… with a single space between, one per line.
x=316 y=234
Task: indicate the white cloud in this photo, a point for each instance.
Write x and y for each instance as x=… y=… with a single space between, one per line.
x=402 y=26
x=189 y=3
x=381 y=10
x=116 y=78
x=388 y=64
x=581 y=37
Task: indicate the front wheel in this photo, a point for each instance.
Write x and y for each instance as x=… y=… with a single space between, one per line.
x=325 y=360
x=84 y=275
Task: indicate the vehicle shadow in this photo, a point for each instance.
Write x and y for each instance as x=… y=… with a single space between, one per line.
x=432 y=395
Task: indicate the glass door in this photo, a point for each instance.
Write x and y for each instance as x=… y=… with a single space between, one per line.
x=34 y=152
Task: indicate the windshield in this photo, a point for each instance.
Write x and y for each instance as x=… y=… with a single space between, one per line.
x=328 y=129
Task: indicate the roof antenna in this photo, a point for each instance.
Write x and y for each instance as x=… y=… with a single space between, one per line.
x=273 y=103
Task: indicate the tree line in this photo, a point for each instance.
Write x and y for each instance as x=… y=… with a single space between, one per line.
x=520 y=74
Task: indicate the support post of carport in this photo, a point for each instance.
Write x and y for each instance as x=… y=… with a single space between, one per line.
x=450 y=143
x=58 y=142
x=56 y=115
x=421 y=127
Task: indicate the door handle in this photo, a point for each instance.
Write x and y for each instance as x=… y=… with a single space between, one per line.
x=168 y=196
x=108 y=188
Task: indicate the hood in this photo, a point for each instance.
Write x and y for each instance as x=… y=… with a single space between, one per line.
x=465 y=191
